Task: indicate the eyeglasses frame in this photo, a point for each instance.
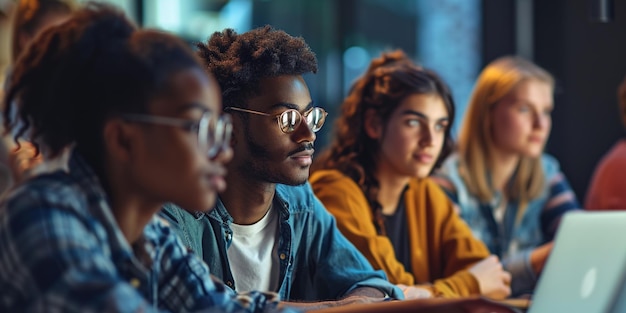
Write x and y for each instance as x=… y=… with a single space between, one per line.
x=202 y=125
x=277 y=116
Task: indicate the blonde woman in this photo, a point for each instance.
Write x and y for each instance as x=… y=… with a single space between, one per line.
x=510 y=193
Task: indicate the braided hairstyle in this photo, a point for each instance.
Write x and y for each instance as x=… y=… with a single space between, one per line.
x=240 y=61
x=388 y=81
x=86 y=70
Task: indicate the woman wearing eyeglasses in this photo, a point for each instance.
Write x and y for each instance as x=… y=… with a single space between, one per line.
x=144 y=122
x=393 y=130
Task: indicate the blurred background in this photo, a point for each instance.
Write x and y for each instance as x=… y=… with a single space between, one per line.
x=581 y=42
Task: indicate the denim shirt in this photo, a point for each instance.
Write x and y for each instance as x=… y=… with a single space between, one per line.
x=316 y=261
x=62 y=251
x=513 y=242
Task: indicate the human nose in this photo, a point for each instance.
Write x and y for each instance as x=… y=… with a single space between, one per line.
x=426 y=137
x=303 y=132
x=541 y=121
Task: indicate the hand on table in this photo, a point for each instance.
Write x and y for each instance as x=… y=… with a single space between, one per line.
x=493 y=280
x=415 y=292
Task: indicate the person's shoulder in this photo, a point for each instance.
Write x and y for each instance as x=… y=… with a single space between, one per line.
x=55 y=190
x=615 y=158
x=550 y=166
x=448 y=176
x=448 y=173
x=549 y=159
x=450 y=164
x=171 y=211
x=327 y=174
x=159 y=230
x=297 y=197
x=290 y=191
x=331 y=178
x=50 y=208
x=427 y=184
x=430 y=189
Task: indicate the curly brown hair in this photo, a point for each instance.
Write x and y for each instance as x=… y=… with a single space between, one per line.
x=389 y=79
x=240 y=61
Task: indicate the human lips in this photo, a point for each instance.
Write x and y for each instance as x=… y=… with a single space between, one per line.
x=216 y=178
x=303 y=158
x=424 y=158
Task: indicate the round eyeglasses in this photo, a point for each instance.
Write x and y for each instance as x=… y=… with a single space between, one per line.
x=213 y=130
x=289 y=120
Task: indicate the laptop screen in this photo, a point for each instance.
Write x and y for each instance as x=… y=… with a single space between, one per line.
x=585 y=270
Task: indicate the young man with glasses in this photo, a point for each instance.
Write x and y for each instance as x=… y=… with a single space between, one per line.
x=268 y=231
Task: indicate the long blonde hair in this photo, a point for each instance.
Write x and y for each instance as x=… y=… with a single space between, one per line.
x=476 y=143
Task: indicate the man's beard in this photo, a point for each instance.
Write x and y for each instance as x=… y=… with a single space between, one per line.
x=260 y=160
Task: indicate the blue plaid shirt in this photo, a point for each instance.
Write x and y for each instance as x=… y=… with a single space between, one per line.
x=62 y=251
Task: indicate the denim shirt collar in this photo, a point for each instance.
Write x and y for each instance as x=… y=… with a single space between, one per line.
x=220 y=214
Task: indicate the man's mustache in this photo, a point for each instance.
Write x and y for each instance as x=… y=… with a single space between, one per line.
x=304 y=147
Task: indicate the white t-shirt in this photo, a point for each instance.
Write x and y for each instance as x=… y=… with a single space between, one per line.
x=253 y=255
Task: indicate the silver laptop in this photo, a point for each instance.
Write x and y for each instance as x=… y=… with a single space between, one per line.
x=586 y=269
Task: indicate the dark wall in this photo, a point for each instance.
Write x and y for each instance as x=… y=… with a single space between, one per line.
x=498 y=29
x=330 y=27
x=588 y=60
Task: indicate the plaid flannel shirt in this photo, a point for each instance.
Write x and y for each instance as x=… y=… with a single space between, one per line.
x=62 y=251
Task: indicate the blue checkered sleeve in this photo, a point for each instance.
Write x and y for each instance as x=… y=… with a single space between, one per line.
x=56 y=256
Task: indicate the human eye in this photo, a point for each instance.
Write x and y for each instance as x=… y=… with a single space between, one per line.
x=413 y=122
x=192 y=125
x=524 y=108
x=441 y=126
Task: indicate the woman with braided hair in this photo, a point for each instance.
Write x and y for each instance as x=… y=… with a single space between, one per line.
x=393 y=130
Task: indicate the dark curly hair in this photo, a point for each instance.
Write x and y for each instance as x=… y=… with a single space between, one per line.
x=78 y=74
x=388 y=80
x=240 y=61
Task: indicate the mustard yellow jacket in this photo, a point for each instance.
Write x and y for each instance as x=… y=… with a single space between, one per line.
x=442 y=245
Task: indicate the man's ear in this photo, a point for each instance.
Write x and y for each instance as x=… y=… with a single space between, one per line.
x=372 y=124
x=118 y=137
